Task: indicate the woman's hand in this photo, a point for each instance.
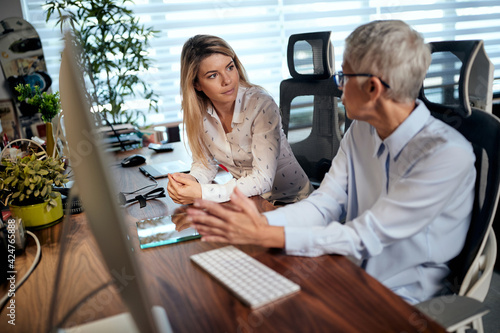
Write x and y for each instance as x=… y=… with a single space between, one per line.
x=183 y=188
x=179 y=218
x=237 y=223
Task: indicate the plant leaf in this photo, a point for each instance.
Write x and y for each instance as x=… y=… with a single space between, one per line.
x=9 y=180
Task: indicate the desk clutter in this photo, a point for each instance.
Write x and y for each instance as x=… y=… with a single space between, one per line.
x=121 y=137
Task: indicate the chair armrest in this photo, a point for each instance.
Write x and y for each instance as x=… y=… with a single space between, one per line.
x=453 y=311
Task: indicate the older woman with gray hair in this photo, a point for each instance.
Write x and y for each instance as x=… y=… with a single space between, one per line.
x=399 y=194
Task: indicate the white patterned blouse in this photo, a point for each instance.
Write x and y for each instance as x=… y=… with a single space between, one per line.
x=256 y=152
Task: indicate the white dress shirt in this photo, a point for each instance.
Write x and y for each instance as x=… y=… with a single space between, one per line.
x=256 y=152
x=406 y=202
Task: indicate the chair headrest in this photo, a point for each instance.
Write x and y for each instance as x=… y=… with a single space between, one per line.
x=310 y=56
x=460 y=78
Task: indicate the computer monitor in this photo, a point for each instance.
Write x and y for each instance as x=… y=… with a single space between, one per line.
x=96 y=189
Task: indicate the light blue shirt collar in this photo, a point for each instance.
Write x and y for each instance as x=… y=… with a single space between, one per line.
x=403 y=133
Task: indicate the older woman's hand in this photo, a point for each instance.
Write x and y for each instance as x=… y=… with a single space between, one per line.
x=179 y=218
x=238 y=223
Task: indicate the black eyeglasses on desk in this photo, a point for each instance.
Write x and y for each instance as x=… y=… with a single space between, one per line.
x=339 y=78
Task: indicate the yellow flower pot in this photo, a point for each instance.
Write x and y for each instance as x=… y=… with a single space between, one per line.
x=36 y=216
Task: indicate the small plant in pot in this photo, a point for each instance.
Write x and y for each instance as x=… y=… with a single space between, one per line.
x=47 y=104
x=27 y=179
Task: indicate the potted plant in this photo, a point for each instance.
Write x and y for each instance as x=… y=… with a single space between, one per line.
x=48 y=104
x=114 y=53
x=27 y=179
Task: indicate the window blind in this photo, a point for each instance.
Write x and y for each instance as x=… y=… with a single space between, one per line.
x=258 y=30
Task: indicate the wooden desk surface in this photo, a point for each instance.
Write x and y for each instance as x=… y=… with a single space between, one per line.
x=335 y=296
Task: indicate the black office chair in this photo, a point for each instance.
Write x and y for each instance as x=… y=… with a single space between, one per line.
x=464 y=105
x=312 y=90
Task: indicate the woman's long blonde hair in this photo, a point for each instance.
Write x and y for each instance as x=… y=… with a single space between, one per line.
x=195 y=103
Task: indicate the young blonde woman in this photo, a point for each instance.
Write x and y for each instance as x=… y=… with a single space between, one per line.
x=234 y=124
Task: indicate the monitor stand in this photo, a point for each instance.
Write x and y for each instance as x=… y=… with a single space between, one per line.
x=121 y=323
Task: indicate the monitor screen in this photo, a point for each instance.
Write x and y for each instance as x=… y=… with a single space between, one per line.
x=95 y=187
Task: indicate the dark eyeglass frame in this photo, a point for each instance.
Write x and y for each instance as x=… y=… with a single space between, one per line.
x=339 y=78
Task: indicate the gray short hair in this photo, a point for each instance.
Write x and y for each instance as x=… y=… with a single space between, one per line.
x=393 y=51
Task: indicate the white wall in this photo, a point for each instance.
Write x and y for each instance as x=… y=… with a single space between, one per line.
x=10 y=8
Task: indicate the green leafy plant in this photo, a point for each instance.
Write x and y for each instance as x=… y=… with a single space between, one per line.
x=30 y=179
x=114 y=53
x=49 y=105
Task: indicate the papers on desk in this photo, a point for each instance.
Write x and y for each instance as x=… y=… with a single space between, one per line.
x=161 y=231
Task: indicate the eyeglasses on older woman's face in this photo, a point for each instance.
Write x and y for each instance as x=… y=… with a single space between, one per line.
x=340 y=78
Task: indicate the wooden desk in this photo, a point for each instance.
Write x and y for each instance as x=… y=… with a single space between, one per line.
x=335 y=296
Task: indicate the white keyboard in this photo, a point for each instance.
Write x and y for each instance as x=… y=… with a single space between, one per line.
x=252 y=282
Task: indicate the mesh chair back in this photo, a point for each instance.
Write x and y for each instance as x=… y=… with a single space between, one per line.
x=482 y=129
x=310 y=61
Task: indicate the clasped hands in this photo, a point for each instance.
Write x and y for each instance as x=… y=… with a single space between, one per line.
x=236 y=222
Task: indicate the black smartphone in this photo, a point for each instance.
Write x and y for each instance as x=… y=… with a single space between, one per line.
x=161 y=147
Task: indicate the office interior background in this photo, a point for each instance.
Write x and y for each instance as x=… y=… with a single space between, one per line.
x=258 y=30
